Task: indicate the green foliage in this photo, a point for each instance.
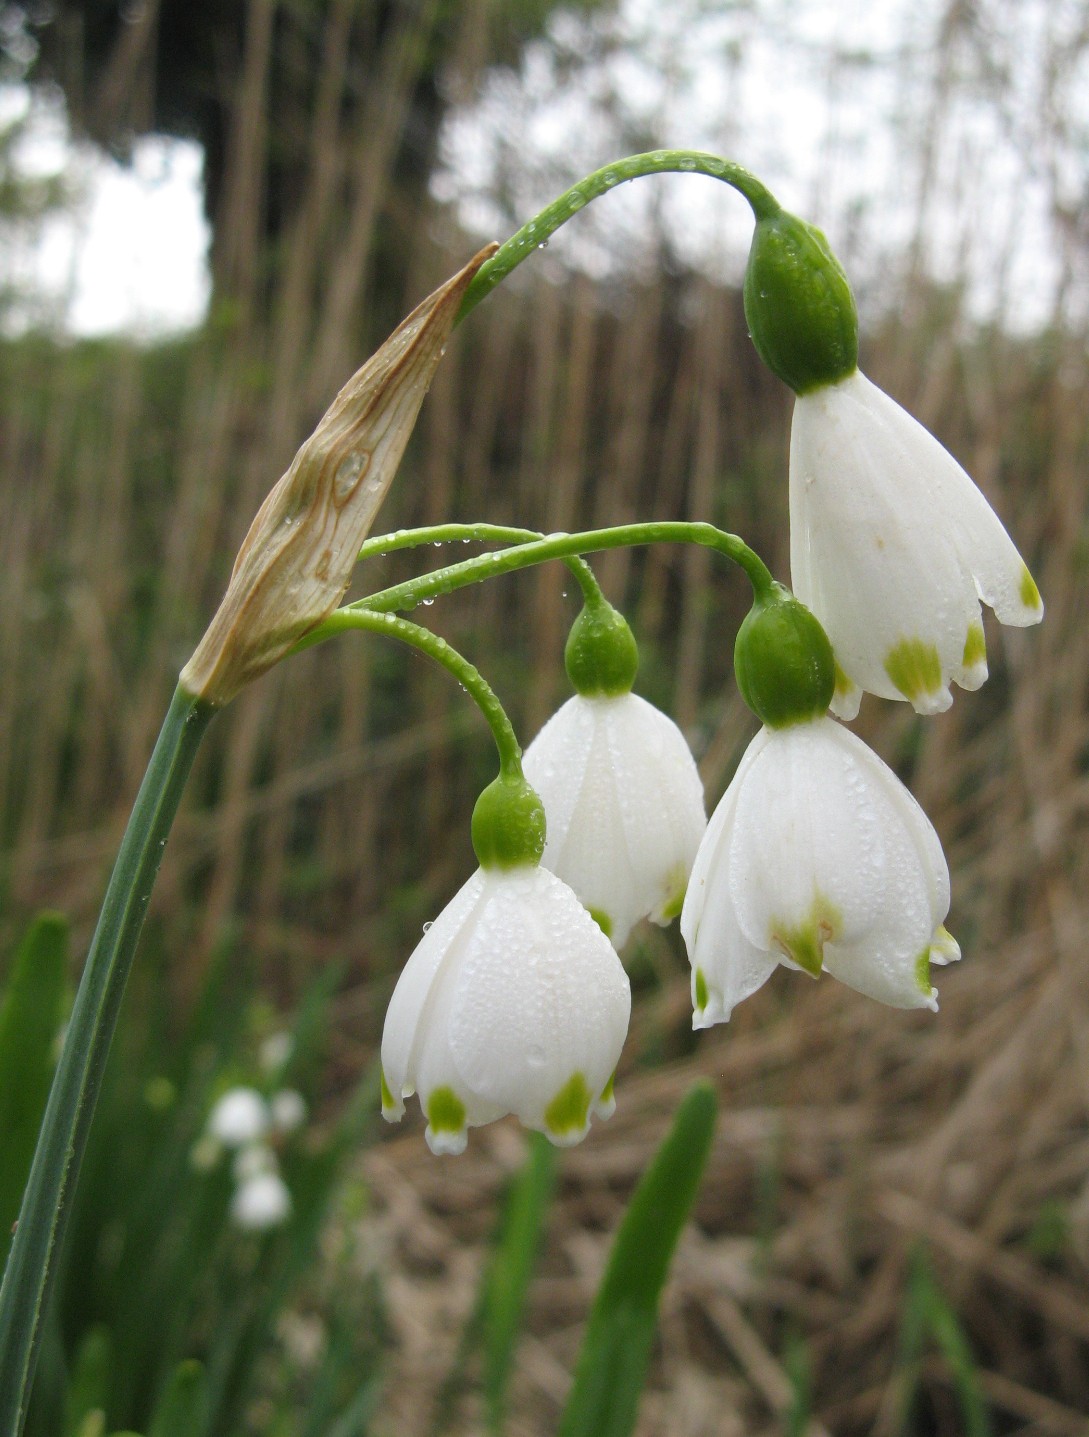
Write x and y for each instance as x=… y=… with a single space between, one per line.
x=928 y=1317
x=506 y=1281
x=165 y=1314
x=615 y=1352
x=30 y=1017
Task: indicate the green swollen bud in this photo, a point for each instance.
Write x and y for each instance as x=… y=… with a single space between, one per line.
x=783 y=661
x=798 y=304
x=508 y=824
x=602 y=656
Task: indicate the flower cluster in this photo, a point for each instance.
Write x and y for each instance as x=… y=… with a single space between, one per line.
x=245 y=1123
x=817 y=858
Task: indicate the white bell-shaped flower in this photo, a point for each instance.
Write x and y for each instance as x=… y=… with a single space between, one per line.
x=260 y=1202
x=624 y=803
x=893 y=546
x=240 y=1117
x=513 y=1002
x=816 y=857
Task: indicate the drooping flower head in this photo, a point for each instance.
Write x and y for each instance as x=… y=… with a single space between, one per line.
x=892 y=545
x=621 y=790
x=513 y=1002
x=817 y=857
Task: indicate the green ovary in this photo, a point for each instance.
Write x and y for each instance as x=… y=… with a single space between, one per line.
x=1029 y=593
x=702 y=994
x=804 y=944
x=975 y=647
x=914 y=667
x=922 y=973
x=445 y=1111
x=567 y=1112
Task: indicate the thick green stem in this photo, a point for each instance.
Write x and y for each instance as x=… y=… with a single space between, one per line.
x=439 y=534
x=471 y=679
x=560 y=546
x=536 y=233
x=35 y=1251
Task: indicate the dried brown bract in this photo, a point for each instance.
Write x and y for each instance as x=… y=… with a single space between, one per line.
x=297 y=559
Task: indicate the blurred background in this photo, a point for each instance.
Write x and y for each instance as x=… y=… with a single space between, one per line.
x=209 y=215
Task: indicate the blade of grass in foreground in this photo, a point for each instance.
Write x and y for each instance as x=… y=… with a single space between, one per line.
x=510 y=1270
x=39 y=1237
x=613 y=1362
x=29 y=1018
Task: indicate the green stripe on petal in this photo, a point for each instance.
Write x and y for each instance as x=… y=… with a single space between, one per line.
x=602 y=919
x=843 y=685
x=922 y=972
x=975 y=647
x=702 y=994
x=388 y=1100
x=445 y=1111
x=915 y=668
x=566 y=1114
x=607 y=1091
x=804 y=945
x=1027 y=591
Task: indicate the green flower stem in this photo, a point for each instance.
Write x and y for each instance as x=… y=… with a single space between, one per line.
x=470 y=678
x=36 y=1248
x=438 y=534
x=559 y=546
x=536 y=233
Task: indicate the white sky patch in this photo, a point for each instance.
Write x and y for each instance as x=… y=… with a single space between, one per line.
x=129 y=254
x=833 y=103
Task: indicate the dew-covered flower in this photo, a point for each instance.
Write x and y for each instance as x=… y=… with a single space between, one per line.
x=240 y=1117
x=624 y=803
x=818 y=858
x=260 y=1202
x=893 y=547
x=513 y=1002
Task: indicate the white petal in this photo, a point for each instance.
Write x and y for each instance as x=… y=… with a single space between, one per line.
x=807 y=850
x=260 y=1203
x=410 y=1007
x=624 y=804
x=892 y=546
x=723 y=960
x=541 y=997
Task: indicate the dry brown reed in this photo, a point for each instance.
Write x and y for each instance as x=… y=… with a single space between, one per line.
x=329 y=814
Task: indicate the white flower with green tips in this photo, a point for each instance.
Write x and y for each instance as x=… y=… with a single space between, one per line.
x=624 y=802
x=817 y=858
x=893 y=547
x=513 y=1002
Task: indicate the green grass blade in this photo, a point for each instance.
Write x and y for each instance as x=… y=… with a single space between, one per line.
x=183 y=1409
x=510 y=1270
x=29 y=1019
x=613 y=1362
x=36 y=1249
x=89 y=1384
x=927 y=1313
